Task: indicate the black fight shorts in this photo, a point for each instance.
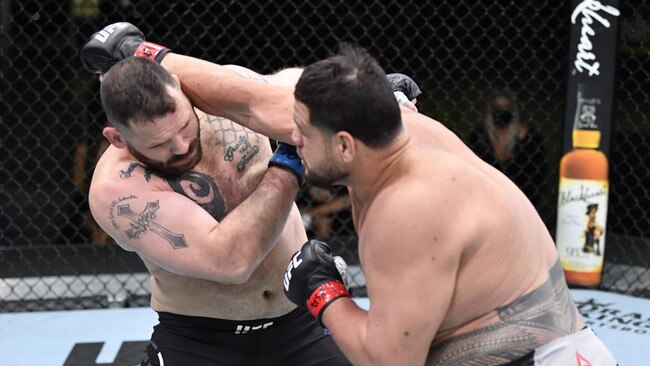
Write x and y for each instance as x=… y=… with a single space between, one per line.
x=292 y=339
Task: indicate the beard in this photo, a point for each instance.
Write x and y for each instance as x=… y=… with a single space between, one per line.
x=326 y=177
x=177 y=164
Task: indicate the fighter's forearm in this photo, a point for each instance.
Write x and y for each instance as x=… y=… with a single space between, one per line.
x=347 y=324
x=264 y=108
x=365 y=342
x=251 y=230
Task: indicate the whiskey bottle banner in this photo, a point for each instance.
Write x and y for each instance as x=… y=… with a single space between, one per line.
x=584 y=168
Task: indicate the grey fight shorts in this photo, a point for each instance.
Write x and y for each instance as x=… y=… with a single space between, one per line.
x=582 y=348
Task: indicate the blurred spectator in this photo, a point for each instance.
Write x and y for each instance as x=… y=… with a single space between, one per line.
x=82 y=228
x=326 y=212
x=509 y=144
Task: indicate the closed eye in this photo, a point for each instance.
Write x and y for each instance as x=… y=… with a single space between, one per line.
x=187 y=124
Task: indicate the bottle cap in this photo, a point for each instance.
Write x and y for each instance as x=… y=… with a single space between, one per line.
x=586 y=138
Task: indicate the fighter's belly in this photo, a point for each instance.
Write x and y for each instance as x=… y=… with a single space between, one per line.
x=200 y=298
x=260 y=297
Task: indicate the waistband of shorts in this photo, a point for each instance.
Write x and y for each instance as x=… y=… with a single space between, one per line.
x=216 y=324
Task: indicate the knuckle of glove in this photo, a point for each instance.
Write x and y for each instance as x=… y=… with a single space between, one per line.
x=326 y=269
x=286 y=156
x=309 y=268
x=404 y=84
x=110 y=45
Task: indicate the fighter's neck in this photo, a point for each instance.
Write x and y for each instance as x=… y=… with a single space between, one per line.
x=376 y=170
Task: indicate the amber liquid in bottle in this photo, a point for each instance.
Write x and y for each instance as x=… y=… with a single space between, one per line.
x=582 y=209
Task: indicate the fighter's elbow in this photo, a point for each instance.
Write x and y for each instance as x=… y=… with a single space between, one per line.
x=239 y=278
x=235 y=273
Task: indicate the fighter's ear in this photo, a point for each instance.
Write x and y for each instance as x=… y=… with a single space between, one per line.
x=345 y=146
x=178 y=80
x=114 y=137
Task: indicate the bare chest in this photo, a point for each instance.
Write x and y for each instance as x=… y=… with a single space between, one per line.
x=233 y=161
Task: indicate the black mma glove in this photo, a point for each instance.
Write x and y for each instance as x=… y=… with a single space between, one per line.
x=286 y=156
x=313 y=280
x=116 y=42
x=403 y=86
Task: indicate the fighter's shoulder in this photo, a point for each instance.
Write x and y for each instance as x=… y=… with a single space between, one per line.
x=115 y=179
x=422 y=220
x=434 y=194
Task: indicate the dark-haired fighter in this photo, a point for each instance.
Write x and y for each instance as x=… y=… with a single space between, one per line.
x=459 y=266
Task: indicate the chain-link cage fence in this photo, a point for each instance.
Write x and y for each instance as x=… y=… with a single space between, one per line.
x=52 y=254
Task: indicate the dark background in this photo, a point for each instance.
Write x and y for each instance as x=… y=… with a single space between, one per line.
x=457 y=51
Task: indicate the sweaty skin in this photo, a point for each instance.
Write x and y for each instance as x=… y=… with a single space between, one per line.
x=205 y=259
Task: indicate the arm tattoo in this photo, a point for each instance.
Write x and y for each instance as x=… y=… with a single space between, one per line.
x=111 y=214
x=143 y=221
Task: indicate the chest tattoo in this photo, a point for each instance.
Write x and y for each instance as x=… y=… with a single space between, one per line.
x=240 y=144
x=247 y=150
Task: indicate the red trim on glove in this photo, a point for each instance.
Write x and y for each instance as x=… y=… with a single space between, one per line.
x=323 y=296
x=148 y=50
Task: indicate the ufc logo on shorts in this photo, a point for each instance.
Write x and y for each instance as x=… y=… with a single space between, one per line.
x=103 y=34
x=295 y=262
x=243 y=329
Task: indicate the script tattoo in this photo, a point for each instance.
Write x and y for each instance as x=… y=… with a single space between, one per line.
x=201 y=189
x=235 y=139
x=144 y=221
x=111 y=215
x=125 y=174
x=245 y=148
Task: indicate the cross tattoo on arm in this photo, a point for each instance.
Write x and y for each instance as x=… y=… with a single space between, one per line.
x=144 y=220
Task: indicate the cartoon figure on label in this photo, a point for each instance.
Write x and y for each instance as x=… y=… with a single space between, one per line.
x=593 y=232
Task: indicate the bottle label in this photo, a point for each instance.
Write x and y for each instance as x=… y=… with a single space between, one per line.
x=582 y=215
x=587 y=111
